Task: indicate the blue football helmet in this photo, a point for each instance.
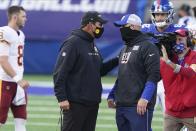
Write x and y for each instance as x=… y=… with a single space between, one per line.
x=162 y=6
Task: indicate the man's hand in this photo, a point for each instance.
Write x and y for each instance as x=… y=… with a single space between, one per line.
x=23 y=83
x=164 y=52
x=111 y=103
x=193 y=66
x=64 y=105
x=141 y=106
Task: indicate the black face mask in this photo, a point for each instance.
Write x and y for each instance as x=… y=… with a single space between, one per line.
x=128 y=34
x=98 y=32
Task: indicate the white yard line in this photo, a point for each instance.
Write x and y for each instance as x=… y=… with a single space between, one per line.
x=56 y=109
x=45 y=84
x=41 y=83
x=43 y=103
x=51 y=116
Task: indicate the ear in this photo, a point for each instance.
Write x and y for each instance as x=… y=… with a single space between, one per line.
x=132 y=27
x=88 y=25
x=15 y=17
x=91 y=25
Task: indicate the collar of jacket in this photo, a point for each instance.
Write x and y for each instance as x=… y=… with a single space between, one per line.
x=140 y=38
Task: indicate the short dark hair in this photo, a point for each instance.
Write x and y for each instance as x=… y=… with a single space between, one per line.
x=14 y=10
x=186 y=8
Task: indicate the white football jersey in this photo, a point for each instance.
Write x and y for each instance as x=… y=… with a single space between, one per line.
x=16 y=46
x=187 y=21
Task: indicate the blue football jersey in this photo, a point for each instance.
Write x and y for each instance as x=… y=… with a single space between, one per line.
x=151 y=28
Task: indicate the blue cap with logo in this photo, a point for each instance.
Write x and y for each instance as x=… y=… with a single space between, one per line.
x=129 y=19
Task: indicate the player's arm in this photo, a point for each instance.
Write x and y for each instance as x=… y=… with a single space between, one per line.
x=4 y=53
x=189 y=71
x=6 y=66
x=151 y=60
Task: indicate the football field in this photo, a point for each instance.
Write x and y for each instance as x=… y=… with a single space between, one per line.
x=43 y=113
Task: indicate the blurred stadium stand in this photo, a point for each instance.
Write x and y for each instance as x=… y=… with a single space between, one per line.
x=51 y=21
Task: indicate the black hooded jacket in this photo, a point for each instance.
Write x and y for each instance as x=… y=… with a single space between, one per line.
x=139 y=62
x=78 y=70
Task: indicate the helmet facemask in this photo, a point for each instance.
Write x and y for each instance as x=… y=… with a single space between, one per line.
x=166 y=9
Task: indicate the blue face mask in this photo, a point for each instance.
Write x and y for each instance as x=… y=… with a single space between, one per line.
x=179 y=48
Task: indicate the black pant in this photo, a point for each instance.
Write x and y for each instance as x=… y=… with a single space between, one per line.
x=80 y=117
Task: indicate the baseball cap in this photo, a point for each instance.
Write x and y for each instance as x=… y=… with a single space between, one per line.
x=129 y=19
x=92 y=16
x=182 y=32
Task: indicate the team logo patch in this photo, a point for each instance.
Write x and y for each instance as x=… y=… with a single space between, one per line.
x=125 y=57
x=97 y=31
x=136 y=47
x=7 y=87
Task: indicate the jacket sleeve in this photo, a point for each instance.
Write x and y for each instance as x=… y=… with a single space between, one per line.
x=111 y=94
x=64 y=64
x=108 y=66
x=151 y=59
x=188 y=71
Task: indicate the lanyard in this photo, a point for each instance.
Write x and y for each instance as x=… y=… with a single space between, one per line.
x=181 y=61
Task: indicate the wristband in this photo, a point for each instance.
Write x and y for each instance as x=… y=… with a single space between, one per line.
x=177 y=69
x=16 y=78
x=168 y=62
x=145 y=100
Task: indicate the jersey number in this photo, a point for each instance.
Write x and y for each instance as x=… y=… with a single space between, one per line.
x=20 y=55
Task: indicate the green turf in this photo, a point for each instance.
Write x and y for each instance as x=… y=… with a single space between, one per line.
x=49 y=78
x=43 y=113
x=38 y=77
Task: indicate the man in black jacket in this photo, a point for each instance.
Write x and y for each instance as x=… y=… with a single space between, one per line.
x=134 y=94
x=77 y=75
